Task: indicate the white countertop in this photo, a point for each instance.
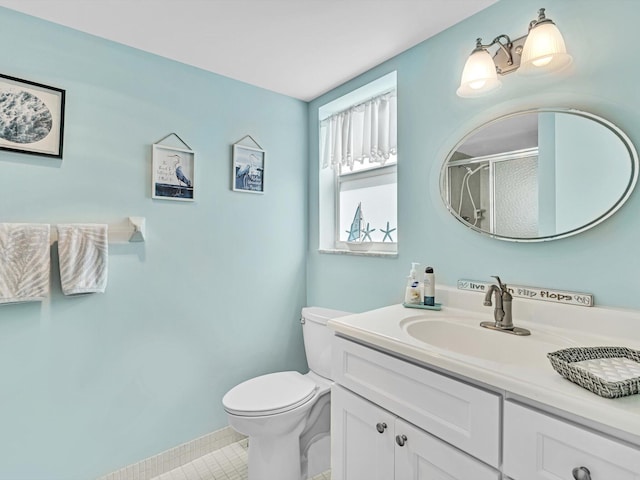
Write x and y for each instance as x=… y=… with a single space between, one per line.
x=517 y=365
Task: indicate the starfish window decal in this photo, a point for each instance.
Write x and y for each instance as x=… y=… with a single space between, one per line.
x=387 y=233
x=367 y=233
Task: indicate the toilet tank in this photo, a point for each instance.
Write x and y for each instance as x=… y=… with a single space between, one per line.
x=317 y=338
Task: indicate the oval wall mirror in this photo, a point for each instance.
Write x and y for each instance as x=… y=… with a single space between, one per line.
x=539 y=175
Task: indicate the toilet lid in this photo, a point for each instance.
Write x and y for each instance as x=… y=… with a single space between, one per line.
x=269 y=394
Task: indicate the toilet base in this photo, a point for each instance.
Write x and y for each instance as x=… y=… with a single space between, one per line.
x=318 y=459
x=275 y=457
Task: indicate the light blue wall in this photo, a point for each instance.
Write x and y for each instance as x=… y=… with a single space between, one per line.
x=583 y=191
x=547 y=174
x=431 y=119
x=93 y=383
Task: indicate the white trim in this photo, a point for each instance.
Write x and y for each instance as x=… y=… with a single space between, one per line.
x=359 y=95
x=176 y=457
x=370 y=253
x=329 y=192
x=391 y=90
x=371 y=171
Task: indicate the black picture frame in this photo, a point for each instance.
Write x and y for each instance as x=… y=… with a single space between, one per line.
x=31 y=117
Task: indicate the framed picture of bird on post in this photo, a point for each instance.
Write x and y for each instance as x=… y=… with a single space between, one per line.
x=173 y=172
x=248 y=169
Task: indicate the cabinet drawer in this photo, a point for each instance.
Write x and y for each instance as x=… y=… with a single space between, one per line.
x=465 y=416
x=540 y=447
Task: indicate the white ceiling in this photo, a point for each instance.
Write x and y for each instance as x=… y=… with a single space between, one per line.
x=300 y=48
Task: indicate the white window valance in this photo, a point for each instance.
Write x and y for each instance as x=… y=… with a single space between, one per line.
x=364 y=131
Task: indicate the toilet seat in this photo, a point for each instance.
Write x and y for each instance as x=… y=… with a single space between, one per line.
x=269 y=394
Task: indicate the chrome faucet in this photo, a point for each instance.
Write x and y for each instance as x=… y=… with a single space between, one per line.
x=502 y=311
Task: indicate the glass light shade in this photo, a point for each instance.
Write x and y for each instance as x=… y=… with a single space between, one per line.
x=544 y=51
x=479 y=76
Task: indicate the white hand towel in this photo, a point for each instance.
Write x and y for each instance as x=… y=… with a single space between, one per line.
x=25 y=262
x=83 y=254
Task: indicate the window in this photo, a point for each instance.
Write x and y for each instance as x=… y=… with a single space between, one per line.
x=358 y=176
x=374 y=191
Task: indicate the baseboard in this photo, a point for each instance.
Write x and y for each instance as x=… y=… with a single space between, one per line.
x=176 y=457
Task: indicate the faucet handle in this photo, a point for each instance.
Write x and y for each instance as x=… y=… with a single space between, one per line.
x=503 y=286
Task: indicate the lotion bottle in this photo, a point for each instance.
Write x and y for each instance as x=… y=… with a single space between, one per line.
x=429 y=284
x=413 y=292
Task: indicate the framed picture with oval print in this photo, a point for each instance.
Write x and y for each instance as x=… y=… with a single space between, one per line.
x=31 y=117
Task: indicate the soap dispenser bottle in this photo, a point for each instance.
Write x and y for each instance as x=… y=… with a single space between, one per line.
x=413 y=292
x=429 y=285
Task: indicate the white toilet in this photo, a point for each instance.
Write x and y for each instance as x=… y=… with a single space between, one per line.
x=287 y=415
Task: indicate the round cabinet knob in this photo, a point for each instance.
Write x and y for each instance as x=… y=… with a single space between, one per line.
x=381 y=427
x=581 y=473
x=401 y=440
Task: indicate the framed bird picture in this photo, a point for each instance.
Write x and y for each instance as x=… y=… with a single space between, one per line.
x=173 y=173
x=248 y=169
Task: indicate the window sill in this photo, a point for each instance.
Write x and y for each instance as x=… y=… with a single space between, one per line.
x=370 y=253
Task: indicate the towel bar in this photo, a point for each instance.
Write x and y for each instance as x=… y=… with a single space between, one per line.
x=134 y=230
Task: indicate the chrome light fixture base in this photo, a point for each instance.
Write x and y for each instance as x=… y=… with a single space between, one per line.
x=509 y=62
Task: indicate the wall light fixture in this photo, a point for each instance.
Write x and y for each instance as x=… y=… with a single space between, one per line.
x=540 y=51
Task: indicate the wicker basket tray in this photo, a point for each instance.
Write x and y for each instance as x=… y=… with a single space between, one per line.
x=612 y=359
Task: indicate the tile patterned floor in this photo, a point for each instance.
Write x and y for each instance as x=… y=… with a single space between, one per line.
x=228 y=463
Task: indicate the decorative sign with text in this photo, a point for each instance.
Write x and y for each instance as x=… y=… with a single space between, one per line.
x=533 y=293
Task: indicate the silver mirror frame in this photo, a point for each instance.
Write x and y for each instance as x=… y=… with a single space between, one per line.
x=633 y=156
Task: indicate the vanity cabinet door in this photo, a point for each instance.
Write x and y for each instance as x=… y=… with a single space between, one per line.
x=369 y=443
x=538 y=446
x=362 y=438
x=460 y=414
x=420 y=456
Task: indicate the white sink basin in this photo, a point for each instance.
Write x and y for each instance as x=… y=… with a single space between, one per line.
x=463 y=336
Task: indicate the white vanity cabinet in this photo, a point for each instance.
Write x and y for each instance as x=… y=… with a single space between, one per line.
x=370 y=443
x=538 y=446
x=481 y=399
x=362 y=438
x=392 y=419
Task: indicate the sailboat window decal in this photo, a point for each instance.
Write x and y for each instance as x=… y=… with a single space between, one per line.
x=356 y=232
x=360 y=233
